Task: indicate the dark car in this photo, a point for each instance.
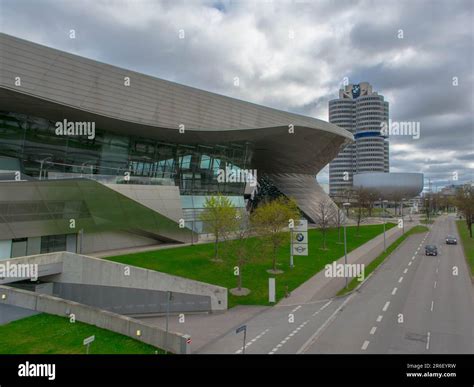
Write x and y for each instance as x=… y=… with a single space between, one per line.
x=451 y=240
x=431 y=250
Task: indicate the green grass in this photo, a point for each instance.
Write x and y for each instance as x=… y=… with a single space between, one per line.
x=194 y=262
x=377 y=261
x=467 y=243
x=48 y=334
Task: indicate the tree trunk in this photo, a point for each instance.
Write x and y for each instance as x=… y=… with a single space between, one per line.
x=216 y=248
x=240 y=278
x=274 y=258
x=339 y=233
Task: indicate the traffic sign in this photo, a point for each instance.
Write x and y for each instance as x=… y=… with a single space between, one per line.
x=242 y=328
x=300 y=225
x=89 y=340
x=300 y=237
x=299 y=248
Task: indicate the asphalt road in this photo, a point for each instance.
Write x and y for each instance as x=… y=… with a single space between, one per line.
x=412 y=304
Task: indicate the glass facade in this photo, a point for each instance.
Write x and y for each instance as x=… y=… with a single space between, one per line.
x=194 y=168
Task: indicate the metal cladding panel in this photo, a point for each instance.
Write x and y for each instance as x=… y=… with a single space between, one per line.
x=391 y=185
x=45 y=207
x=304 y=189
x=61 y=85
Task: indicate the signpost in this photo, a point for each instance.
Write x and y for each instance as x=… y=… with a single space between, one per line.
x=87 y=341
x=299 y=239
x=244 y=329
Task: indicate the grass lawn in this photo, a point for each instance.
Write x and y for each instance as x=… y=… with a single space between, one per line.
x=48 y=334
x=377 y=261
x=467 y=243
x=194 y=262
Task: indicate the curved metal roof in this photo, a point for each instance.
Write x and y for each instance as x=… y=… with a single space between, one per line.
x=62 y=85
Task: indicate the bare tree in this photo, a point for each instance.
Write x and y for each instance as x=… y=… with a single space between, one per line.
x=465 y=205
x=362 y=204
x=325 y=217
x=338 y=218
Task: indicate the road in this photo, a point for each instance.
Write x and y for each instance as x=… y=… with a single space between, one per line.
x=412 y=304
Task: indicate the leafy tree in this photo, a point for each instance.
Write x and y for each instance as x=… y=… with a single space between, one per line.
x=465 y=204
x=219 y=219
x=271 y=219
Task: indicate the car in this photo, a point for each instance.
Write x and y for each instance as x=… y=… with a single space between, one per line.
x=431 y=250
x=451 y=240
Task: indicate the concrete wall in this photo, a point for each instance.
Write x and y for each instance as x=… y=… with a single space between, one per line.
x=81 y=269
x=131 y=301
x=109 y=240
x=73 y=268
x=176 y=342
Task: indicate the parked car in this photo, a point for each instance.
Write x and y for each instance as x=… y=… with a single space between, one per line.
x=431 y=250
x=451 y=240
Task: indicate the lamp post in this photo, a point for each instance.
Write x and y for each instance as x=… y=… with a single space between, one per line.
x=169 y=297
x=401 y=211
x=384 y=221
x=345 y=205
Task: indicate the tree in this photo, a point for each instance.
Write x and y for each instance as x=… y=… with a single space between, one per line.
x=362 y=201
x=219 y=219
x=325 y=215
x=465 y=204
x=242 y=247
x=270 y=219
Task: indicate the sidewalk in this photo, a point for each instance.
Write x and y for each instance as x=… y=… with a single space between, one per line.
x=320 y=287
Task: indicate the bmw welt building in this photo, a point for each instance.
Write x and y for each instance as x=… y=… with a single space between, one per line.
x=95 y=157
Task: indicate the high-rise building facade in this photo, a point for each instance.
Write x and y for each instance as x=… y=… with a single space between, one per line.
x=361 y=111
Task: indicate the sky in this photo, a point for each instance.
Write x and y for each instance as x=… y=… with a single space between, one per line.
x=292 y=55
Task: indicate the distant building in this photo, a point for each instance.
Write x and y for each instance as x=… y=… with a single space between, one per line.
x=361 y=111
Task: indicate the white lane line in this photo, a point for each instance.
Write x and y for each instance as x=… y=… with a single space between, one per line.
x=432 y=304
x=372 y=331
x=400 y=279
x=316 y=334
x=379 y=318
x=394 y=291
x=428 y=341
x=436 y=270
x=322 y=308
x=409 y=263
x=253 y=340
x=385 y=307
x=365 y=345
x=294 y=310
x=287 y=338
x=436 y=282
x=405 y=271
x=413 y=258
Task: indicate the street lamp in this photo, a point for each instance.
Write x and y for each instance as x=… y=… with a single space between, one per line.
x=384 y=222
x=401 y=211
x=345 y=205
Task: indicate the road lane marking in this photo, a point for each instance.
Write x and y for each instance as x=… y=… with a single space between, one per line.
x=400 y=279
x=253 y=340
x=316 y=334
x=413 y=258
x=436 y=282
x=379 y=318
x=394 y=291
x=405 y=271
x=294 y=310
x=432 y=304
x=385 y=307
x=322 y=308
x=365 y=345
x=409 y=263
x=436 y=270
x=428 y=341
x=372 y=331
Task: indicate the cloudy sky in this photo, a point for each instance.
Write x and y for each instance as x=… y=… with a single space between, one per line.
x=292 y=55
